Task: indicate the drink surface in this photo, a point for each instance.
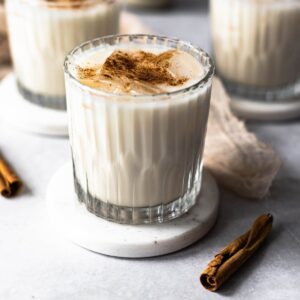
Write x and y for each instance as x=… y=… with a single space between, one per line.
x=137 y=70
x=69 y=4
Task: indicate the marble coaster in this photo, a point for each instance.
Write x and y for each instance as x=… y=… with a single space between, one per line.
x=254 y=110
x=72 y=219
x=24 y=115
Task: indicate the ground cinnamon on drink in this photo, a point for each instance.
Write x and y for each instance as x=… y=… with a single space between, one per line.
x=65 y=4
x=129 y=68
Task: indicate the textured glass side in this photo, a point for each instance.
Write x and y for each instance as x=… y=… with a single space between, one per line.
x=135 y=162
x=40 y=39
x=255 y=47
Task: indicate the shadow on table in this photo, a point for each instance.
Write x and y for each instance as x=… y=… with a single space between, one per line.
x=191 y=4
x=27 y=190
x=176 y=5
x=235 y=217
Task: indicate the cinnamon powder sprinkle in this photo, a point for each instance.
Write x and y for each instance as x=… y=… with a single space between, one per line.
x=128 y=69
x=69 y=4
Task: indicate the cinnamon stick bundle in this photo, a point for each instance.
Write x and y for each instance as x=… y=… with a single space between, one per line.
x=236 y=253
x=10 y=183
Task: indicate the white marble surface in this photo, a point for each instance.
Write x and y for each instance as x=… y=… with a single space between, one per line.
x=128 y=241
x=36 y=264
x=253 y=110
x=22 y=114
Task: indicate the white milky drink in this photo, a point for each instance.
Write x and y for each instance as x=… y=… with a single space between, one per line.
x=43 y=32
x=137 y=146
x=257 y=42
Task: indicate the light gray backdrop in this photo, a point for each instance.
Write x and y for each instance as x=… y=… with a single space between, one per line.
x=36 y=264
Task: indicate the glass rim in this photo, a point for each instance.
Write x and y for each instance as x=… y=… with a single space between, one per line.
x=201 y=82
x=67 y=4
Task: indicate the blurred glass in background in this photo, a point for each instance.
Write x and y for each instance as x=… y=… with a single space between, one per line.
x=41 y=35
x=147 y=3
x=256 y=46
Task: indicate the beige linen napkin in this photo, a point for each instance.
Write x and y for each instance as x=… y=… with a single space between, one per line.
x=237 y=159
x=4 y=50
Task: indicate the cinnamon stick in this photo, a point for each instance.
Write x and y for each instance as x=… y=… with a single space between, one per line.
x=10 y=183
x=227 y=261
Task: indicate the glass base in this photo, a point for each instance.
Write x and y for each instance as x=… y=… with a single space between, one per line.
x=139 y=215
x=285 y=94
x=58 y=103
